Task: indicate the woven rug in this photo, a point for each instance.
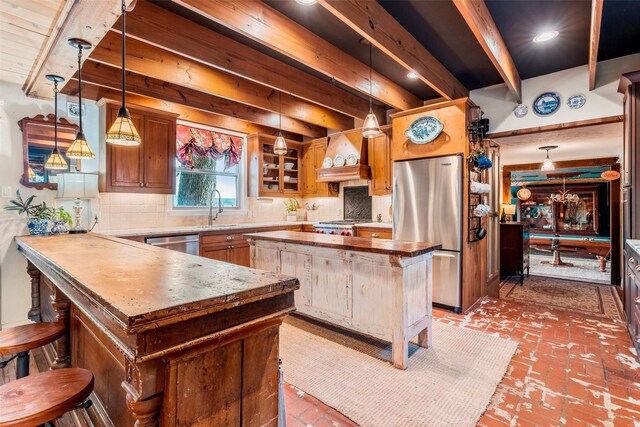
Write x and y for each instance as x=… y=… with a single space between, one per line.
x=584 y=270
x=588 y=298
x=449 y=384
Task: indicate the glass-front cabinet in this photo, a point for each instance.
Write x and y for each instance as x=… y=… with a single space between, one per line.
x=271 y=174
x=545 y=216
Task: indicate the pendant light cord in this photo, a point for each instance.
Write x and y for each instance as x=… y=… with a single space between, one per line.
x=55 y=116
x=124 y=72
x=80 y=85
x=370 y=77
x=280 y=108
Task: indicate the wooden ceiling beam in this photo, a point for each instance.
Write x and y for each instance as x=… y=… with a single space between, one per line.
x=96 y=93
x=369 y=19
x=164 y=29
x=269 y=27
x=483 y=27
x=594 y=40
x=163 y=65
x=110 y=77
x=86 y=19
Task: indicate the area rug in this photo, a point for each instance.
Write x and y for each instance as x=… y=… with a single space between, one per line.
x=588 y=298
x=585 y=270
x=449 y=384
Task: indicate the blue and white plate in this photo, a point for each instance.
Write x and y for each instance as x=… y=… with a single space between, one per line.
x=424 y=130
x=520 y=111
x=576 y=101
x=546 y=103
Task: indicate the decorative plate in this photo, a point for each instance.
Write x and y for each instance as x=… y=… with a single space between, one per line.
x=338 y=160
x=523 y=194
x=576 y=101
x=520 y=111
x=424 y=130
x=327 y=162
x=352 y=159
x=546 y=103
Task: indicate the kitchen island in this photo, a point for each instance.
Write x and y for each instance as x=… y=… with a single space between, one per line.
x=171 y=338
x=377 y=287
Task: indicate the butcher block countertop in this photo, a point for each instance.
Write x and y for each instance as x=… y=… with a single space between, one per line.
x=359 y=244
x=145 y=286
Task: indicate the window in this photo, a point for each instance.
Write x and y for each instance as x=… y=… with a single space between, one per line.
x=208 y=159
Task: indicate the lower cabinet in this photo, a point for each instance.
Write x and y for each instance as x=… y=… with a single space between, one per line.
x=374 y=232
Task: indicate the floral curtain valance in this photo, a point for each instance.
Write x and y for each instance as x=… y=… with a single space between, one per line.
x=204 y=142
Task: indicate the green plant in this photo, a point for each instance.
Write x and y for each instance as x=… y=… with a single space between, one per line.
x=40 y=211
x=291 y=205
x=60 y=214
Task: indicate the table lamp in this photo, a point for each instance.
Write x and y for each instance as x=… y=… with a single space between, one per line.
x=77 y=186
x=509 y=211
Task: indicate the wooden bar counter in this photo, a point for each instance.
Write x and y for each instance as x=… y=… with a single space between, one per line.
x=172 y=339
x=376 y=287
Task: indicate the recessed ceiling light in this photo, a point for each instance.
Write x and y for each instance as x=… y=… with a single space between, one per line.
x=306 y=1
x=412 y=75
x=545 y=36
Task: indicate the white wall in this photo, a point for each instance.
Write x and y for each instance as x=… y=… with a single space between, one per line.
x=498 y=104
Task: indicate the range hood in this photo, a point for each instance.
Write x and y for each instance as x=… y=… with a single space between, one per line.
x=347 y=144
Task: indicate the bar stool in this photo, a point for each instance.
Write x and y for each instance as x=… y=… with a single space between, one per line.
x=43 y=397
x=20 y=339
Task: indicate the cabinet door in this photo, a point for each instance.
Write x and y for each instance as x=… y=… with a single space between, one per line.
x=124 y=163
x=219 y=253
x=380 y=163
x=308 y=171
x=330 y=291
x=159 y=154
x=240 y=255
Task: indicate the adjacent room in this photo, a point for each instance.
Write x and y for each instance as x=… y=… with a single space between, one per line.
x=311 y=213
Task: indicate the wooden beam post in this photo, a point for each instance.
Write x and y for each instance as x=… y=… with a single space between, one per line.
x=479 y=20
x=86 y=19
x=163 y=65
x=594 y=40
x=269 y=27
x=110 y=77
x=369 y=19
x=161 y=28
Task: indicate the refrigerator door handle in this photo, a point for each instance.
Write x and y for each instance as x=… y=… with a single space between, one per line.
x=443 y=255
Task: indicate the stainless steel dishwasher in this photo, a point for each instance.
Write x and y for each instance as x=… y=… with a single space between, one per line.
x=189 y=244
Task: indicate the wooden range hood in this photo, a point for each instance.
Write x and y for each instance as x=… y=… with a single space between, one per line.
x=346 y=143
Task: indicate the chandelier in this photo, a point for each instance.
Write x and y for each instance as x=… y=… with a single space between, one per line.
x=564 y=196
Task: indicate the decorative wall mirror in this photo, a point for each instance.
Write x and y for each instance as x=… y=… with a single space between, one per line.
x=37 y=144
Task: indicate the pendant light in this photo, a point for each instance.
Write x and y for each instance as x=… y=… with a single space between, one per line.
x=80 y=148
x=55 y=160
x=280 y=146
x=564 y=196
x=122 y=131
x=547 y=165
x=370 y=127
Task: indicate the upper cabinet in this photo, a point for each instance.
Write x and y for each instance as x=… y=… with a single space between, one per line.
x=148 y=167
x=272 y=175
x=381 y=163
x=312 y=158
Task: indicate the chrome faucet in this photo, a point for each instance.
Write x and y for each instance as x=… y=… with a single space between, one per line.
x=211 y=217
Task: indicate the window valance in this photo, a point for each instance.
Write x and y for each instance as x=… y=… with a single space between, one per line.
x=204 y=142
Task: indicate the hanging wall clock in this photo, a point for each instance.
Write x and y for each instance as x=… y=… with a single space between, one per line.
x=546 y=103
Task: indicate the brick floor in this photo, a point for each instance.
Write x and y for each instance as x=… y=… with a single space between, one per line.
x=570 y=369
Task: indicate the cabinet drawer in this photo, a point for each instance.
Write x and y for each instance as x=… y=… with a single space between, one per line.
x=375 y=233
x=222 y=239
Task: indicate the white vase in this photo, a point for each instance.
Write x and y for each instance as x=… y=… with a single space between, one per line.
x=292 y=216
x=313 y=216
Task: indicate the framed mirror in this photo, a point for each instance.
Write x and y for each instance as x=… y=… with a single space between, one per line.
x=37 y=144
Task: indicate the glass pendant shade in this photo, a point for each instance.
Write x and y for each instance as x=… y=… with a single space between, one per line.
x=122 y=131
x=547 y=165
x=280 y=146
x=56 y=161
x=370 y=127
x=80 y=148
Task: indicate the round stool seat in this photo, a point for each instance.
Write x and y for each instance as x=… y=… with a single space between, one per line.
x=27 y=337
x=43 y=397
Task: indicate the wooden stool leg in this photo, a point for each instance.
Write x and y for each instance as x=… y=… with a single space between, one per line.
x=22 y=365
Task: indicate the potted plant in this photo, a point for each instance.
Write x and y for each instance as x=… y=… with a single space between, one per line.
x=61 y=221
x=291 y=206
x=38 y=216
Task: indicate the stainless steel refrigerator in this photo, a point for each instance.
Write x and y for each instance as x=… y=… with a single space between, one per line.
x=427 y=207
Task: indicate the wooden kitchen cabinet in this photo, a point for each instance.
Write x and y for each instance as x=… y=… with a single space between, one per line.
x=145 y=168
x=374 y=232
x=381 y=164
x=268 y=176
x=312 y=158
